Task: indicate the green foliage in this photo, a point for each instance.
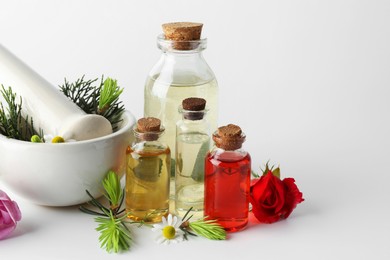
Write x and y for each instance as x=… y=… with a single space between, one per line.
x=114 y=192
x=114 y=235
x=12 y=124
x=208 y=228
x=109 y=93
x=275 y=172
x=95 y=97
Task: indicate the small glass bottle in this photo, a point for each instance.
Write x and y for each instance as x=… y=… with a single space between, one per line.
x=192 y=145
x=181 y=72
x=148 y=173
x=227 y=179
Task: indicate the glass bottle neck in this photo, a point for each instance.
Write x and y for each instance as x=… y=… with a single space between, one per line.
x=181 y=47
x=147 y=136
x=192 y=115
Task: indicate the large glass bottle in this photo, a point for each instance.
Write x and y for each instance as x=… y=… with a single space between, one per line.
x=227 y=179
x=148 y=173
x=192 y=145
x=181 y=72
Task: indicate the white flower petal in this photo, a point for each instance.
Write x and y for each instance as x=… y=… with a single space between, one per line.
x=178 y=223
x=164 y=221
x=170 y=220
x=174 y=222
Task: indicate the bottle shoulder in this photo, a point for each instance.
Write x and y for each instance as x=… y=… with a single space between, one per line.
x=182 y=70
x=185 y=125
x=150 y=147
x=229 y=156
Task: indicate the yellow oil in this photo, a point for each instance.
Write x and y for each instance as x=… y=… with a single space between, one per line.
x=147 y=182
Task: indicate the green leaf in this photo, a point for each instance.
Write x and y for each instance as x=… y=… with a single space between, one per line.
x=112 y=186
x=276 y=172
x=198 y=170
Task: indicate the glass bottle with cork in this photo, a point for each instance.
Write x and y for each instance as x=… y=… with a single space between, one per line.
x=192 y=145
x=227 y=179
x=148 y=173
x=181 y=72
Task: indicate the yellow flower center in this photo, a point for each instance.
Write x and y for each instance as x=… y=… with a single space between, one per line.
x=169 y=232
x=58 y=139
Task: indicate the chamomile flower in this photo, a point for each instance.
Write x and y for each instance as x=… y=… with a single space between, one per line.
x=56 y=139
x=169 y=229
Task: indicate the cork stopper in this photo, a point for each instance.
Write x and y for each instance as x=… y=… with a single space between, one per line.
x=193 y=108
x=229 y=137
x=148 y=128
x=183 y=33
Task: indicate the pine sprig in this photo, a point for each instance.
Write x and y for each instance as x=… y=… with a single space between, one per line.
x=109 y=94
x=114 y=235
x=114 y=192
x=209 y=229
x=96 y=97
x=12 y=123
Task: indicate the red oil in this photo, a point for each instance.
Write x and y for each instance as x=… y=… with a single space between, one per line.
x=227 y=182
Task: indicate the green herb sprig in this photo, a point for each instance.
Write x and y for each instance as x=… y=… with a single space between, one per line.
x=209 y=229
x=95 y=97
x=115 y=236
x=12 y=123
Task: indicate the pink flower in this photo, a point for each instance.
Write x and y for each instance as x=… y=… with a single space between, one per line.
x=9 y=215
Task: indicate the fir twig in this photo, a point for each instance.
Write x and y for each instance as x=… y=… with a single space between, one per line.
x=101 y=99
x=114 y=234
x=114 y=193
x=12 y=124
x=206 y=228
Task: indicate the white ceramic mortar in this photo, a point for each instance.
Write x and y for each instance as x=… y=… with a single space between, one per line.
x=58 y=174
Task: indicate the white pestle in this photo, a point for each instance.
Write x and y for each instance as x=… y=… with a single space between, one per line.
x=50 y=109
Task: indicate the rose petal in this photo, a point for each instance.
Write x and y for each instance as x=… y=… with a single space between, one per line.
x=5 y=218
x=3 y=196
x=293 y=196
x=13 y=210
x=267 y=198
x=6 y=230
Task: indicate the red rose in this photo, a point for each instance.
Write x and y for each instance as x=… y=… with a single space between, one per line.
x=273 y=199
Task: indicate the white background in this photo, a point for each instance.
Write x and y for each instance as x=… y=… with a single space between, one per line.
x=308 y=81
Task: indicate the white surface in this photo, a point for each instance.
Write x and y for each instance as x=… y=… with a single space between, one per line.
x=308 y=81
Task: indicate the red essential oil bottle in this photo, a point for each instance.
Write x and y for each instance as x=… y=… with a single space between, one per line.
x=227 y=179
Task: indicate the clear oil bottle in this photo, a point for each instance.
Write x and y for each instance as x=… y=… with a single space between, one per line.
x=192 y=145
x=181 y=72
